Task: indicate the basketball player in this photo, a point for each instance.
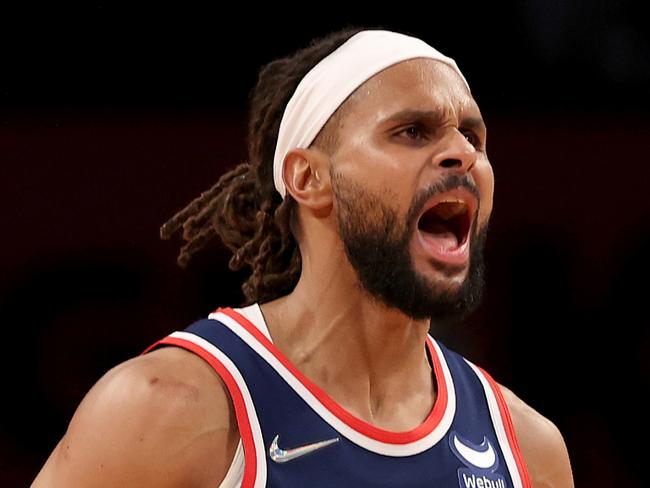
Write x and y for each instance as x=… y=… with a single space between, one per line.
x=362 y=213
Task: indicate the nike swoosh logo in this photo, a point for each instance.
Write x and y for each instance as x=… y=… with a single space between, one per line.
x=281 y=456
x=483 y=459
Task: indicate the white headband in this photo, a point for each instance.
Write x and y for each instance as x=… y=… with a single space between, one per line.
x=336 y=77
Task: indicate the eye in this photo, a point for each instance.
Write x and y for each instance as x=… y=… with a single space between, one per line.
x=413 y=132
x=473 y=139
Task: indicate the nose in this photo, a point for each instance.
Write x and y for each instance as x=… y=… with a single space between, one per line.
x=457 y=153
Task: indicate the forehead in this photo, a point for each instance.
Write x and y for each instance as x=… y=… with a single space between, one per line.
x=419 y=84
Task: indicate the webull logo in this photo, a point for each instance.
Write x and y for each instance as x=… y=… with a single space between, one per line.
x=481 y=463
x=470 y=480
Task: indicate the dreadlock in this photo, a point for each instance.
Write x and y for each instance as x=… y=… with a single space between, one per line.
x=243 y=208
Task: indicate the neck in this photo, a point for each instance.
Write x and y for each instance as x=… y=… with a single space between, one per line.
x=365 y=355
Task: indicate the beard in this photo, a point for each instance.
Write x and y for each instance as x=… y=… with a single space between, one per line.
x=377 y=246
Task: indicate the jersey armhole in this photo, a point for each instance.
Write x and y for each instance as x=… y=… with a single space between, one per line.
x=509 y=428
x=248 y=471
x=235 y=474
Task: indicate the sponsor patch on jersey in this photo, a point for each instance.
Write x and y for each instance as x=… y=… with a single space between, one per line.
x=481 y=462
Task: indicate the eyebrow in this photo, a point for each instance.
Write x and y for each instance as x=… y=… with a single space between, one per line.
x=432 y=117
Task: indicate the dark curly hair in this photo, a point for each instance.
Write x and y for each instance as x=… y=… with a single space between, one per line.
x=243 y=208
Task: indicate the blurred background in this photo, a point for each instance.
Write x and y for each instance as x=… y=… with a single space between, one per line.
x=112 y=120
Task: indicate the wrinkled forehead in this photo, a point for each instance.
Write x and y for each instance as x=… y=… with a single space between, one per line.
x=424 y=84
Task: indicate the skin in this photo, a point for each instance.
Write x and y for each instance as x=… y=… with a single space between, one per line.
x=134 y=428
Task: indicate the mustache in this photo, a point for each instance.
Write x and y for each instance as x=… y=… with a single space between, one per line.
x=449 y=182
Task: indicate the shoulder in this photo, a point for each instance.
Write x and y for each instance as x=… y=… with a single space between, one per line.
x=163 y=418
x=541 y=444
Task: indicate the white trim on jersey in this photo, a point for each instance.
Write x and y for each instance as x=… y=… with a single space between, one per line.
x=254 y=315
x=235 y=474
x=499 y=427
x=258 y=440
x=379 y=447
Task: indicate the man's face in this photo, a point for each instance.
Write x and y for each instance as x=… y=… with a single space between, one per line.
x=413 y=194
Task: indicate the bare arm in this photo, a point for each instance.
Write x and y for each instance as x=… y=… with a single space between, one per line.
x=163 y=419
x=542 y=445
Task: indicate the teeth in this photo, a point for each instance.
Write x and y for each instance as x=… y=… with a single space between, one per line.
x=449 y=208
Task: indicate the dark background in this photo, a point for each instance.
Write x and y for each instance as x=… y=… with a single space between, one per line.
x=112 y=120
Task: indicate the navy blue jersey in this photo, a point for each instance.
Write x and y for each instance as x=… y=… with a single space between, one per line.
x=294 y=435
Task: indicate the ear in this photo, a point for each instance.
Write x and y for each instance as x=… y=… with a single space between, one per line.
x=307 y=178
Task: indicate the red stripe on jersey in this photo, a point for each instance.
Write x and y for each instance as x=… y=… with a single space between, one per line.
x=369 y=430
x=510 y=431
x=243 y=422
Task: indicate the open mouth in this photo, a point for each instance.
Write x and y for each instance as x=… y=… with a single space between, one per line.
x=449 y=220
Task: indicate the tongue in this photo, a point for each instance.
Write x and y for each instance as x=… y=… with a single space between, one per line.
x=442 y=235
